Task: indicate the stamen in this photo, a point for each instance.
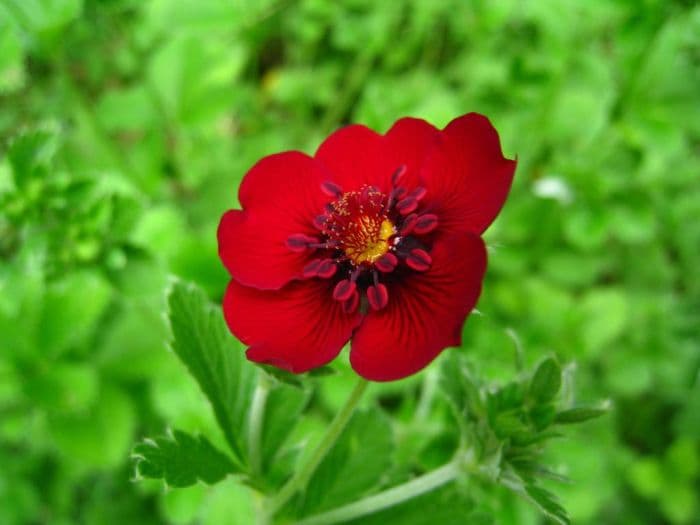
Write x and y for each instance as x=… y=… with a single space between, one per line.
x=350 y=305
x=407 y=205
x=320 y=221
x=395 y=194
x=327 y=269
x=399 y=193
x=408 y=224
x=299 y=242
x=377 y=296
x=426 y=223
x=331 y=189
x=387 y=263
x=325 y=245
x=311 y=269
x=344 y=290
x=418 y=193
x=398 y=175
x=419 y=260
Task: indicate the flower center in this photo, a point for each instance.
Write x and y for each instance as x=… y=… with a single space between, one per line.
x=357 y=224
x=363 y=236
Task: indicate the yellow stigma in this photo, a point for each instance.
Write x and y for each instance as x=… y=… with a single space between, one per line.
x=374 y=246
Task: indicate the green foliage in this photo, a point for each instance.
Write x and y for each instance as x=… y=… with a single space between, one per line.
x=203 y=343
x=354 y=466
x=546 y=381
x=125 y=129
x=181 y=460
x=509 y=438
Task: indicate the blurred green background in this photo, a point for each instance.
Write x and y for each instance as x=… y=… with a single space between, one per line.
x=126 y=126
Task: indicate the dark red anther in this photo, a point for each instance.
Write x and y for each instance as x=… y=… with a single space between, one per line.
x=419 y=260
x=320 y=221
x=351 y=304
x=331 y=189
x=399 y=193
x=311 y=269
x=398 y=175
x=326 y=269
x=387 y=263
x=418 y=193
x=344 y=290
x=408 y=224
x=407 y=205
x=299 y=242
x=377 y=296
x=426 y=223
x=365 y=193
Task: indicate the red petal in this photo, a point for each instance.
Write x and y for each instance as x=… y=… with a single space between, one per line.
x=296 y=328
x=281 y=196
x=466 y=176
x=356 y=155
x=412 y=139
x=425 y=312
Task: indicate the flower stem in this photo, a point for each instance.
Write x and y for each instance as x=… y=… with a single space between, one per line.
x=257 y=416
x=299 y=480
x=389 y=497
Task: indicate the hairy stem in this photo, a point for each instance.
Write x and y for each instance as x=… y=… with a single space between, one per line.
x=388 y=498
x=257 y=416
x=299 y=480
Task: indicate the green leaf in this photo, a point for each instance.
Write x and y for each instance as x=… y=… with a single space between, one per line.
x=458 y=386
x=215 y=359
x=181 y=460
x=546 y=381
x=283 y=376
x=354 y=465
x=12 y=74
x=578 y=415
x=283 y=408
x=68 y=318
x=547 y=503
x=99 y=437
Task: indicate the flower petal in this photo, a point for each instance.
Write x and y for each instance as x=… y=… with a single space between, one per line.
x=297 y=328
x=356 y=155
x=412 y=139
x=281 y=196
x=467 y=176
x=425 y=312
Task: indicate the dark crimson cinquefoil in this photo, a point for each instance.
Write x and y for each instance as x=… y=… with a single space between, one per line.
x=376 y=238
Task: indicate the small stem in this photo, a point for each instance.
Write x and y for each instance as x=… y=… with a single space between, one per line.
x=257 y=417
x=429 y=387
x=389 y=497
x=299 y=480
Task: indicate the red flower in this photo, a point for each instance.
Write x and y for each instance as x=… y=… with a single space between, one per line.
x=375 y=238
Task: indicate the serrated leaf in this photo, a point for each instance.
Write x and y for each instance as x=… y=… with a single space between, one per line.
x=548 y=504
x=546 y=381
x=578 y=415
x=181 y=460
x=354 y=465
x=215 y=359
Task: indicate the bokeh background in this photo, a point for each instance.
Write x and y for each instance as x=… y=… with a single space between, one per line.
x=126 y=126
